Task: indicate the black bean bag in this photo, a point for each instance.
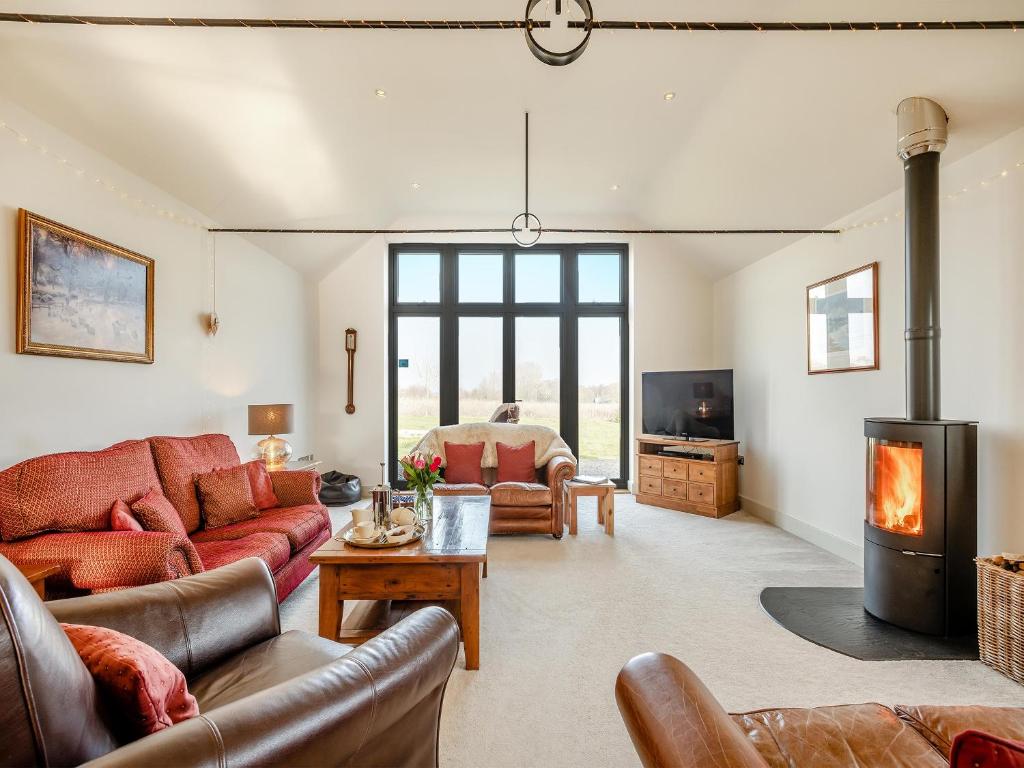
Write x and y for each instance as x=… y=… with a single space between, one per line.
x=339 y=488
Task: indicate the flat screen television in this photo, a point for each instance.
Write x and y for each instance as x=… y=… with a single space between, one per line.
x=695 y=404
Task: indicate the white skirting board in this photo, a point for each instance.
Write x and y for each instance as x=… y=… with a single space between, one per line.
x=854 y=552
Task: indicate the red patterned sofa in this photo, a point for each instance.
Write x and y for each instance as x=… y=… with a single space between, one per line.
x=56 y=509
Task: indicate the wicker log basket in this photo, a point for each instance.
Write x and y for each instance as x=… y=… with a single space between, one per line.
x=1001 y=616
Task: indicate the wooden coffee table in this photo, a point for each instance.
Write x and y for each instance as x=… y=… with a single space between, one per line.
x=442 y=566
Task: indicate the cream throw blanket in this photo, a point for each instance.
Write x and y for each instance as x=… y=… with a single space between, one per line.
x=547 y=443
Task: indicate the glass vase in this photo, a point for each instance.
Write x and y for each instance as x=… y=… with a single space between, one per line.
x=424 y=505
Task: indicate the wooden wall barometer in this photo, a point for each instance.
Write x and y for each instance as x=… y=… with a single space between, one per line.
x=350 y=349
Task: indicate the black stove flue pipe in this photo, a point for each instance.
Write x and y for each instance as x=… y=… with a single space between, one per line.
x=921 y=137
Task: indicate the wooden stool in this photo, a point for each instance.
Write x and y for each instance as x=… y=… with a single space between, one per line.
x=605 y=493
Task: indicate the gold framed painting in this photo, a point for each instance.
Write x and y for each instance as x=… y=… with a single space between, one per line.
x=842 y=322
x=79 y=296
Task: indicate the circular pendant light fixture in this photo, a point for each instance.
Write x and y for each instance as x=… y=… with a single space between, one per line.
x=556 y=58
x=526 y=229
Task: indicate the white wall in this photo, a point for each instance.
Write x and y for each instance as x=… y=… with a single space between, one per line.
x=262 y=353
x=670 y=328
x=803 y=435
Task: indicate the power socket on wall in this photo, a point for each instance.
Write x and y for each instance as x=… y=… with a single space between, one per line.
x=307 y=457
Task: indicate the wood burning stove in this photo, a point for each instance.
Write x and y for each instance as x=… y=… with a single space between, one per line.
x=920 y=528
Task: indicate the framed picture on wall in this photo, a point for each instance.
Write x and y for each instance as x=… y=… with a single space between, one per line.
x=842 y=322
x=79 y=296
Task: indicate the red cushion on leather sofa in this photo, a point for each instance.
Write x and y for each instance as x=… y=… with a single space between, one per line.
x=142 y=691
x=155 y=513
x=976 y=749
x=122 y=519
x=516 y=463
x=261 y=485
x=72 y=492
x=464 y=463
x=226 y=496
x=180 y=460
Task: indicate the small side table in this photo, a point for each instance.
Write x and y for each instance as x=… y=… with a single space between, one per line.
x=37 y=575
x=605 y=493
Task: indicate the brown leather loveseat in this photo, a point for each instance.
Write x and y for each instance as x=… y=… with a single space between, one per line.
x=265 y=697
x=675 y=722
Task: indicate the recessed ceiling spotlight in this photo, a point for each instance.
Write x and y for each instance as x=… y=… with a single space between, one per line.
x=614 y=187
x=380 y=93
x=416 y=185
x=669 y=95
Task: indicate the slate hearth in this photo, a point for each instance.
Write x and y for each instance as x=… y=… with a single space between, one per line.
x=834 y=617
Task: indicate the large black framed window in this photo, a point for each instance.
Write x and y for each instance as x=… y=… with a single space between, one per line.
x=473 y=326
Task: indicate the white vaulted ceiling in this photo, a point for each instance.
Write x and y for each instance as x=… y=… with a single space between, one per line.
x=260 y=127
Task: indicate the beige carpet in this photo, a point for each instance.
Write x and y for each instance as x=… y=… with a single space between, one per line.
x=560 y=618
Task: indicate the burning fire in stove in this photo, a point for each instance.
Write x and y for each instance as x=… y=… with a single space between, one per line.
x=894 y=489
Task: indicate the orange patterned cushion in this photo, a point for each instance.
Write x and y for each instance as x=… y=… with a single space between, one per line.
x=122 y=519
x=262 y=488
x=72 y=491
x=180 y=460
x=226 y=497
x=300 y=524
x=155 y=513
x=143 y=692
x=271 y=548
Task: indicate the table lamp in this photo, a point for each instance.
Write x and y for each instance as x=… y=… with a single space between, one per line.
x=272 y=420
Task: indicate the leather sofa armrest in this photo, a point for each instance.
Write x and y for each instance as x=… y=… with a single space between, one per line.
x=196 y=621
x=559 y=470
x=109 y=559
x=674 y=721
x=295 y=488
x=378 y=706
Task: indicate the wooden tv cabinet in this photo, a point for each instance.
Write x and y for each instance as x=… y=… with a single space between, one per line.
x=706 y=487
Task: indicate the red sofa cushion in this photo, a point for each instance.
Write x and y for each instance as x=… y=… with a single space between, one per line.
x=143 y=692
x=299 y=524
x=464 y=463
x=976 y=749
x=261 y=485
x=72 y=491
x=226 y=497
x=122 y=519
x=516 y=463
x=271 y=548
x=155 y=513
x=179 y=460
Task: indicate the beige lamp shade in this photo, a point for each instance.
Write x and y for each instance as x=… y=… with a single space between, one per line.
x=275 y=419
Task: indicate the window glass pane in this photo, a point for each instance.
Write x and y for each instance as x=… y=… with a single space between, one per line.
x=419 y=379
x=538 y=370
x=600 y=406
x=538 y=277
x=419 y=277
x=598 y=278
x=479 y=368
x=481 y=277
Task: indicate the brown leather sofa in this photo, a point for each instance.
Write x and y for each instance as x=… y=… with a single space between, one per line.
x=265 y=697
x=675 y=722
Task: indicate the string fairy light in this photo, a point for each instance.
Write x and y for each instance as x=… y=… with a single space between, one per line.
x=97 y=180
x=480 y=25
x=974 y=187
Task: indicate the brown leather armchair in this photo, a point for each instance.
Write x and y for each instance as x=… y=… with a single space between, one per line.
x=265 y=697
x=675 y=722
x=535 y=507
